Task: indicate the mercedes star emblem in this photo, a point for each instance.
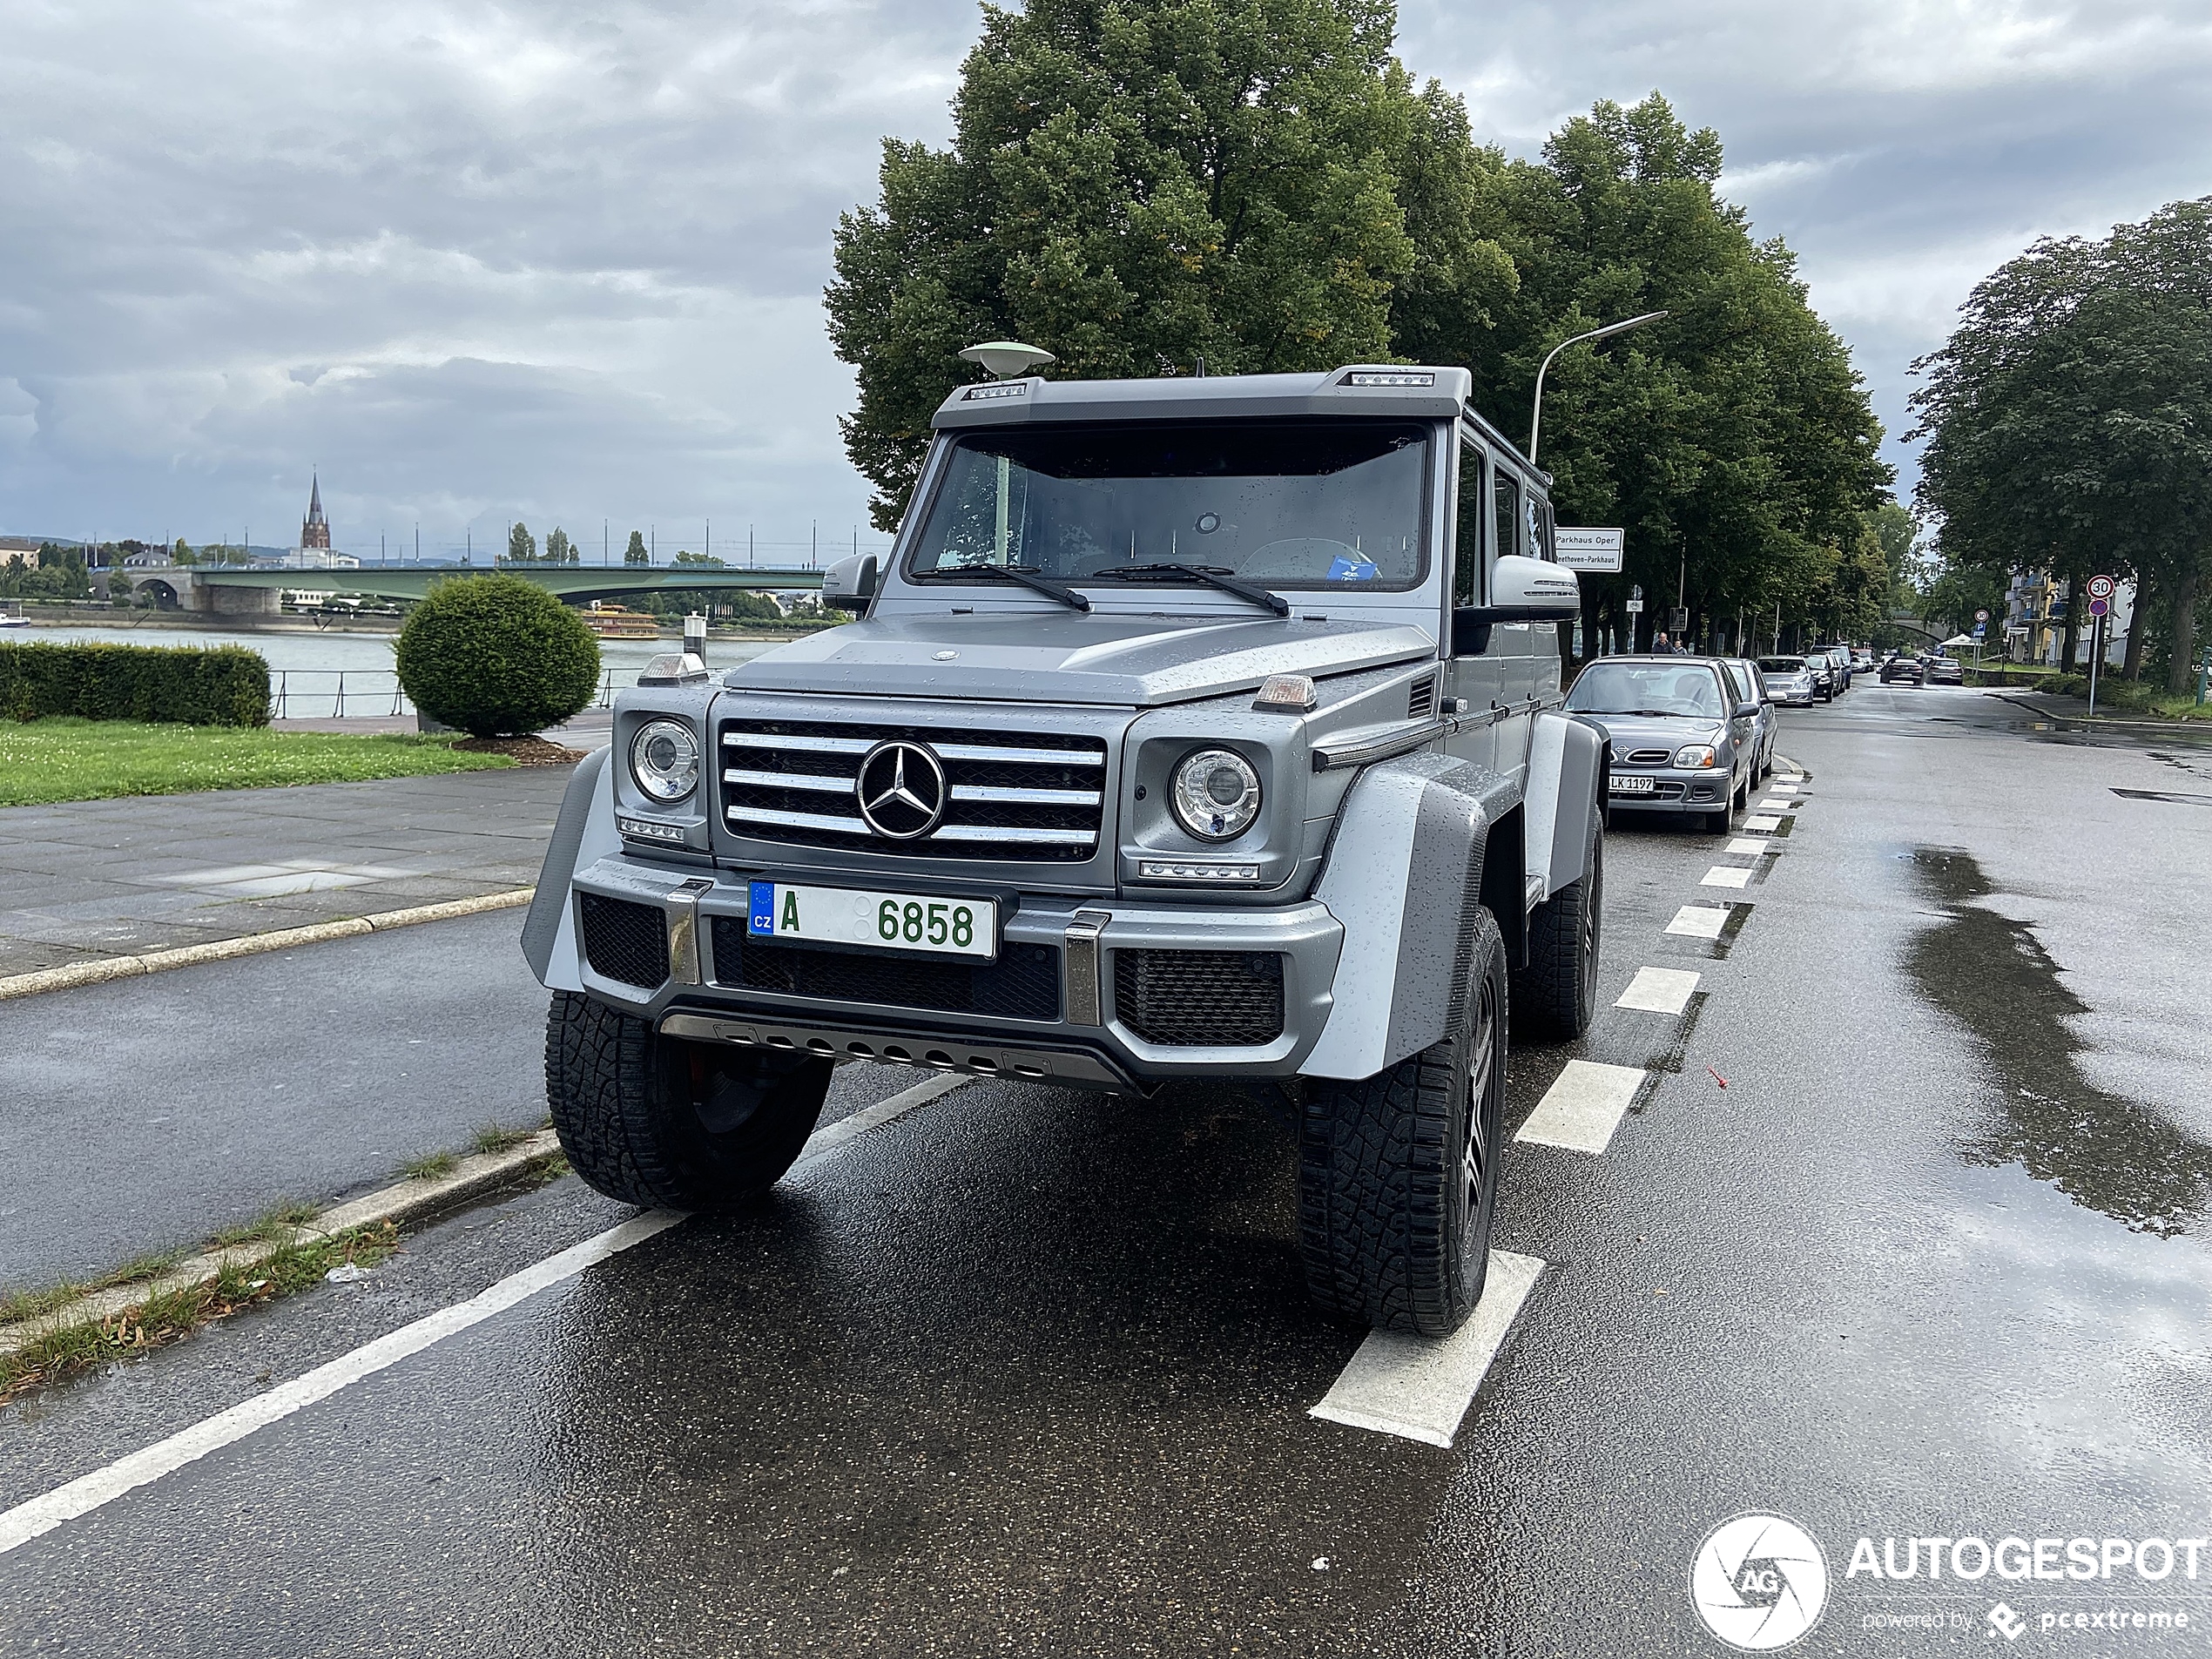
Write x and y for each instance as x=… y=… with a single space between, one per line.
x=900 y=787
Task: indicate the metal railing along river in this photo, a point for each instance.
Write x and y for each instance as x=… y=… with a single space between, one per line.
x=333 y=693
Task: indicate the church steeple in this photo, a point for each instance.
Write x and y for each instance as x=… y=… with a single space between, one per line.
x=314 y=530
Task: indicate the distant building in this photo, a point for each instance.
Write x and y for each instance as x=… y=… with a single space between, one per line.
x=314 y=552
x=314 y=530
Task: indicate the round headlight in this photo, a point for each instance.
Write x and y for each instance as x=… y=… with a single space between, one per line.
x=665 y=759
x=1216 y=794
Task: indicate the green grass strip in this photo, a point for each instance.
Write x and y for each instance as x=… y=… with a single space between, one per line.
x=59 y=759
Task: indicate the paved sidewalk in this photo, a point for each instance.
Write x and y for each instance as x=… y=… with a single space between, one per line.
x=96 y=878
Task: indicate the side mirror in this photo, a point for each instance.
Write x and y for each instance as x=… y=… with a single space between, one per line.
x=1749 y=710
x=1526 y=590
x=850 y=583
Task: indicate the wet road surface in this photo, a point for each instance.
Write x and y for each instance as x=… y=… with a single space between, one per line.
x=1022 y=1371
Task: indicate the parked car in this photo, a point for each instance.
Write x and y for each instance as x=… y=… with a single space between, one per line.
x=1787 y=680
x=1862 y=660
x=1070 y=806
x=1902 y=667
x=1680 y=732
x=1839 y=661
x=1823 y=675
x=1768 y=723
x=1946 y=670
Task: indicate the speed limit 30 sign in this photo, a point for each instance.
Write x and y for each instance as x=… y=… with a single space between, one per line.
x=2101 y=587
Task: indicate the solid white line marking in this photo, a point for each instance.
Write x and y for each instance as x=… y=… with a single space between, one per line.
x=1763 y=824
x=1659 y=990
x=1698 y=921
x=1740 y=844
x=1582 y=1108
x=1725 y=875
x=87 y=1493
x=823 y=1142
x=41 y=1514
x=1419 y=1388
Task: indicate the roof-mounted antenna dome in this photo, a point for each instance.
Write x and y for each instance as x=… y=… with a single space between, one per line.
x=1005 y=358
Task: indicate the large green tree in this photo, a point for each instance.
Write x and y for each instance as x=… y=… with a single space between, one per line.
x=2069 y=421
x=1733 y=440
x=1133 y=185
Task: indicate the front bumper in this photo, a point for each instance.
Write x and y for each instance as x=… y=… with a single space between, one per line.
x=1673 y=790
x=1083 y=1036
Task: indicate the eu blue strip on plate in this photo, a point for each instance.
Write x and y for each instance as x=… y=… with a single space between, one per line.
x=761 y=902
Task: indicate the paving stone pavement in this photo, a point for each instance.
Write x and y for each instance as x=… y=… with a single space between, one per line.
x=87 y=879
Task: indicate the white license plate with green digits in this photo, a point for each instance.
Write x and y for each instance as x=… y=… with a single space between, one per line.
x=917 y=922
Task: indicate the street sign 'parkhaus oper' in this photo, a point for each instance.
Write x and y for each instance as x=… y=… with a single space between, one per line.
x=1587 y=549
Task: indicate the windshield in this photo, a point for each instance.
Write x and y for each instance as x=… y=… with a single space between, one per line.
x=1281 y=504
x=1646 y=688
x=1781 y=665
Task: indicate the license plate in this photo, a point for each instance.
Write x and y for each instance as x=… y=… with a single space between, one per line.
x=876 y=920
x=1632 y=786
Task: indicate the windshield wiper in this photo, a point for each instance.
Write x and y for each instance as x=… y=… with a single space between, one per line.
x=1213 y=576
x=1026 y=575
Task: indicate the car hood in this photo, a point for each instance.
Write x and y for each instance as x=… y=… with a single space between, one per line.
x=1655 y=732
x=1122 y=660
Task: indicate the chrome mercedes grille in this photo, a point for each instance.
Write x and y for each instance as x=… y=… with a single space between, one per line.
x=927 y=792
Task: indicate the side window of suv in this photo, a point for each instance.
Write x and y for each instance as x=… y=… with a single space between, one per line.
x=1466 y=563
x=1507 y=518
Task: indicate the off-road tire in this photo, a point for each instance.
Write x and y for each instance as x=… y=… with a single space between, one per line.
x=1393 y=1232
x=1555 y=998
x=670 y=1125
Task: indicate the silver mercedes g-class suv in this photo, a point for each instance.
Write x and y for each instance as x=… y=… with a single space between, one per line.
x=1194 y=728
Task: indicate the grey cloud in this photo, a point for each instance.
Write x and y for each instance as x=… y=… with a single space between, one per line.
x=565 y=261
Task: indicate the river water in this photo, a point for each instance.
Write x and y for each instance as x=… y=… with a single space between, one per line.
x=315 y=675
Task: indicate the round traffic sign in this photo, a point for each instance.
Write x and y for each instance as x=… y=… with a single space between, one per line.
x=1981 y=615
x=2101 y=587
x=2099 y=607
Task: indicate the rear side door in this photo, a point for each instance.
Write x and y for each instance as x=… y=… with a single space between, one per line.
x=1514 y=645
x=1472 y=674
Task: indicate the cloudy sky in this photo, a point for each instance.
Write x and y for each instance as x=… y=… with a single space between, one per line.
x=564 y=263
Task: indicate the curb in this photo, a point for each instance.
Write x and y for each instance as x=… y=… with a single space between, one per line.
x=2100 y=722
x=222 y=950
x=472 y=1177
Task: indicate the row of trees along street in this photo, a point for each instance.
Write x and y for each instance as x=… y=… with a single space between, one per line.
x=1138 y=185
x=2069 y=426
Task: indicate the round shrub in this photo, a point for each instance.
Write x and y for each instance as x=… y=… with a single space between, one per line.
x=498 y=656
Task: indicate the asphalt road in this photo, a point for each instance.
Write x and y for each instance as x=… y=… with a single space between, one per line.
x=146 y=1115
x=1900 y=1236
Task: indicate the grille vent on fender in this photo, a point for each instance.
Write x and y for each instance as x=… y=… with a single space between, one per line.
x=1200 y=998
x=1421 y=699
x=626 y=942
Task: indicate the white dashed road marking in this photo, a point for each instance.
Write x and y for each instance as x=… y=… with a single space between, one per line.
x=1698 y=921
x=1581 y=1111
x=1741 y=844
x=1725 y=875
x=1659 y=990
x=1763 y=823
x=41 y=1514
x=1419 y=1388
x=1778 y=804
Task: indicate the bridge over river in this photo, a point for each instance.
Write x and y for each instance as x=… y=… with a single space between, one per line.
x=222 y=591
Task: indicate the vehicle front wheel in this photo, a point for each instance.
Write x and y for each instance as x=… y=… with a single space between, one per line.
x=1398 y=1173
x=1555 y=996
x=668 y=1124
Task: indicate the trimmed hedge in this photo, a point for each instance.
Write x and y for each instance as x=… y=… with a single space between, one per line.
x=175 y=684
x=498 y=656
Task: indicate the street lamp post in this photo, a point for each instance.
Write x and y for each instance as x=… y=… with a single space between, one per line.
x=1536 y=414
